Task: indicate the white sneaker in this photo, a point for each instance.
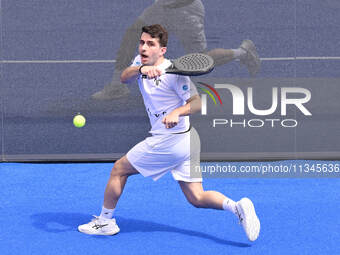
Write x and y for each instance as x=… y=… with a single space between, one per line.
x=251 y=60
x=246 y=213
x=110 y=92
x=100 y=226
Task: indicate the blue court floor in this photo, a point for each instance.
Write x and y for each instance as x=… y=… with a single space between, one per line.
x=41 y=206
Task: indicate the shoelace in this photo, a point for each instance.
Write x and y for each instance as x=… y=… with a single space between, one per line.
x=240 y=219
x=97 y=223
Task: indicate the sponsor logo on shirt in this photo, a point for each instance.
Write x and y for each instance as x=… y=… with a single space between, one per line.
x=156 y=114
x=157 y=81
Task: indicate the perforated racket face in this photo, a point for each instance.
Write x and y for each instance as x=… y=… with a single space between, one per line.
x=195 y=62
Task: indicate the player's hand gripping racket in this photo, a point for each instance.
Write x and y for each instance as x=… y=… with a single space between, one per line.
x=193 y=64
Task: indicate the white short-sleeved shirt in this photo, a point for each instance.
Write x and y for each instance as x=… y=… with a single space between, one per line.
x=163 y=95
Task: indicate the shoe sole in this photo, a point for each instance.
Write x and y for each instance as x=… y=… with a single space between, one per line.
x=251 y=49
x=247 y=208
x=99 y=233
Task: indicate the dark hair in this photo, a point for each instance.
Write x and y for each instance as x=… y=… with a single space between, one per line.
x=157 y=31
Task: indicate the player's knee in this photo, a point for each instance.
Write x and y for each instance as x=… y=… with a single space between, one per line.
x=118 y=168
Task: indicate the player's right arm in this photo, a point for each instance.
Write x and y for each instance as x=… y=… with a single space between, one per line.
x=131 y=73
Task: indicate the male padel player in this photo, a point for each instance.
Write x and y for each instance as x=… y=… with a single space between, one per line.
x=173 y=147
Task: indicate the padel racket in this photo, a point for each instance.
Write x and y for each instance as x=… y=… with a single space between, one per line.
x=193 y=64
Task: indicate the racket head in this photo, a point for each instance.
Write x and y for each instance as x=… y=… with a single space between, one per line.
x=193 y=64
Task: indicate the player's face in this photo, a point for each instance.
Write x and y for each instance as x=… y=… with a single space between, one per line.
x=150 y=50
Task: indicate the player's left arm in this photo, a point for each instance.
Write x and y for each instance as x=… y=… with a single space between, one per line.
x=193 y=105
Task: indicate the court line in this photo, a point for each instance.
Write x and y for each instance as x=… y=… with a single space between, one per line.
x=114 y=61
x=55 y=61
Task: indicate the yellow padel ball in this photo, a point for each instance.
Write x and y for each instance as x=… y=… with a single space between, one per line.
x=79 y=121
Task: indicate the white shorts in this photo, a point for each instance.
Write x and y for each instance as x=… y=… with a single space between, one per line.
x=159 y=154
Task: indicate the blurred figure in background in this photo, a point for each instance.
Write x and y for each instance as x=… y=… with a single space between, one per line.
x=185 y=19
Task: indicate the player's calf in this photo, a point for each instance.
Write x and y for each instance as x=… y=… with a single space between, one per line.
x=196 y=200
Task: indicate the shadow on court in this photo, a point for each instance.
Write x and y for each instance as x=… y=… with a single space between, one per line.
x=65 y=222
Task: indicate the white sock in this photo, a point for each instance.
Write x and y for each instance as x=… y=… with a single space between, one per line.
x=229 y=205
x=239 y=53
x=106 y=213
